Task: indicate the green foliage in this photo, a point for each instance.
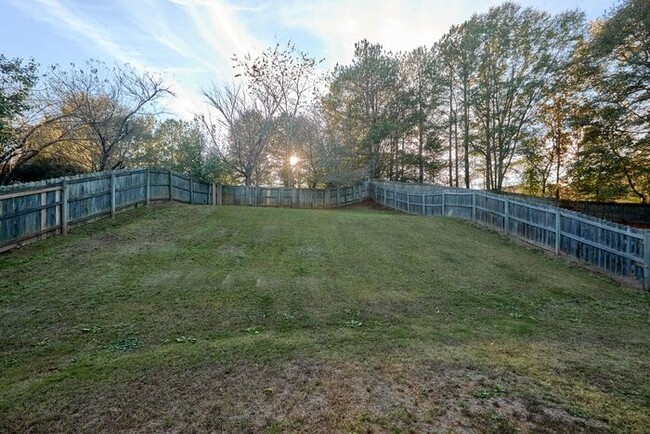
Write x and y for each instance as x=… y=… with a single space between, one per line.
x=17 y=80
x=176 y=145
x=45 y=167
x=359 y=101
x=615 y=73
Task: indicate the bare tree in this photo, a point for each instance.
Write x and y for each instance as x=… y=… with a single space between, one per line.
x=241 y=130
x=31 y=119
x=283 y=78
x=105 y=103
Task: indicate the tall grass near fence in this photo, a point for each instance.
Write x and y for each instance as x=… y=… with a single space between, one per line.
x=616 y=249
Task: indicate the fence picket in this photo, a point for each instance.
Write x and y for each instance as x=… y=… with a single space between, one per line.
x=52 y=206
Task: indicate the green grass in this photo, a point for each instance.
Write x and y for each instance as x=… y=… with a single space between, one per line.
x=240 y=319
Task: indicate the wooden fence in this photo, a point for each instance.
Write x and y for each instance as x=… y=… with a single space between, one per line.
x=291 y=197
x=35 y=210
x=629 y=214
x=616 y=249
x=38 y=209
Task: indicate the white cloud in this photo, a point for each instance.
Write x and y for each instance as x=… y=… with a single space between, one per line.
x=204 y=48
x=192 y=41
x=398 y=26
x=71 y=21
x=219 y=27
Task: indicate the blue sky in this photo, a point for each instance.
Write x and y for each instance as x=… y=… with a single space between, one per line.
x=191 y=42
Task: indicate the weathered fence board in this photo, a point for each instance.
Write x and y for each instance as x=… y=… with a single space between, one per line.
x=242 y=195
x=625 y=213
x=616 y=249
x=34 y=210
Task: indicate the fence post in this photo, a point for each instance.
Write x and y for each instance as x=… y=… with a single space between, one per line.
x=59 y=207
x=43 y=215
x=214 y=194
x=506 y=219
x=473 y=206
x=338 y=196
x=191 y=192
x=220 y=194
x=558 y=230
x=408 y=202
x=64 y=208
x=395 y=197
x=112 y=195
x=148 y=188
x=171 y=186
x=646 y=256
x=443 y=204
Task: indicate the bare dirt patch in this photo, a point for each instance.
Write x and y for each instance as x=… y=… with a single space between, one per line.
x=366 y=204
x=314 y=396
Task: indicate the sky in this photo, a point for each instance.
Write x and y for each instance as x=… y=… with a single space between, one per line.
x=192 y=42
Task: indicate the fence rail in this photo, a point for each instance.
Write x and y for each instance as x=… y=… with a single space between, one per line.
x=38 y=209
x=625 y=213
x=616 y=249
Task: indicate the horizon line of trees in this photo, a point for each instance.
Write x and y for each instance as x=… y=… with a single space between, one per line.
x=551 y=104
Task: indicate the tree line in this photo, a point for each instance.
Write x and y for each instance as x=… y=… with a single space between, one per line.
x=513 y=98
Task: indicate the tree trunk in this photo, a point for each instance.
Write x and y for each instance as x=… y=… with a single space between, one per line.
x=456 y=147
x=450 y=162
x=466 y=133
x=421 y=153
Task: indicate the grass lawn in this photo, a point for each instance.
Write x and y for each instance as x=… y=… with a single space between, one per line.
x=181 y=318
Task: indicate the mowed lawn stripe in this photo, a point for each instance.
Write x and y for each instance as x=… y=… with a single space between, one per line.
x=233 y=318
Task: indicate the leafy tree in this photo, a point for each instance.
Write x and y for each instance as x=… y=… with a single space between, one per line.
x=359 y=102
x=421 y=94
x=616 y=76
x=30 y=116
x=555 y=139
x=176 y=145
x=457 y=52
x=521 y=53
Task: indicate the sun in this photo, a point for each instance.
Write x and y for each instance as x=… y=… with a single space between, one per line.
x=293 y=160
